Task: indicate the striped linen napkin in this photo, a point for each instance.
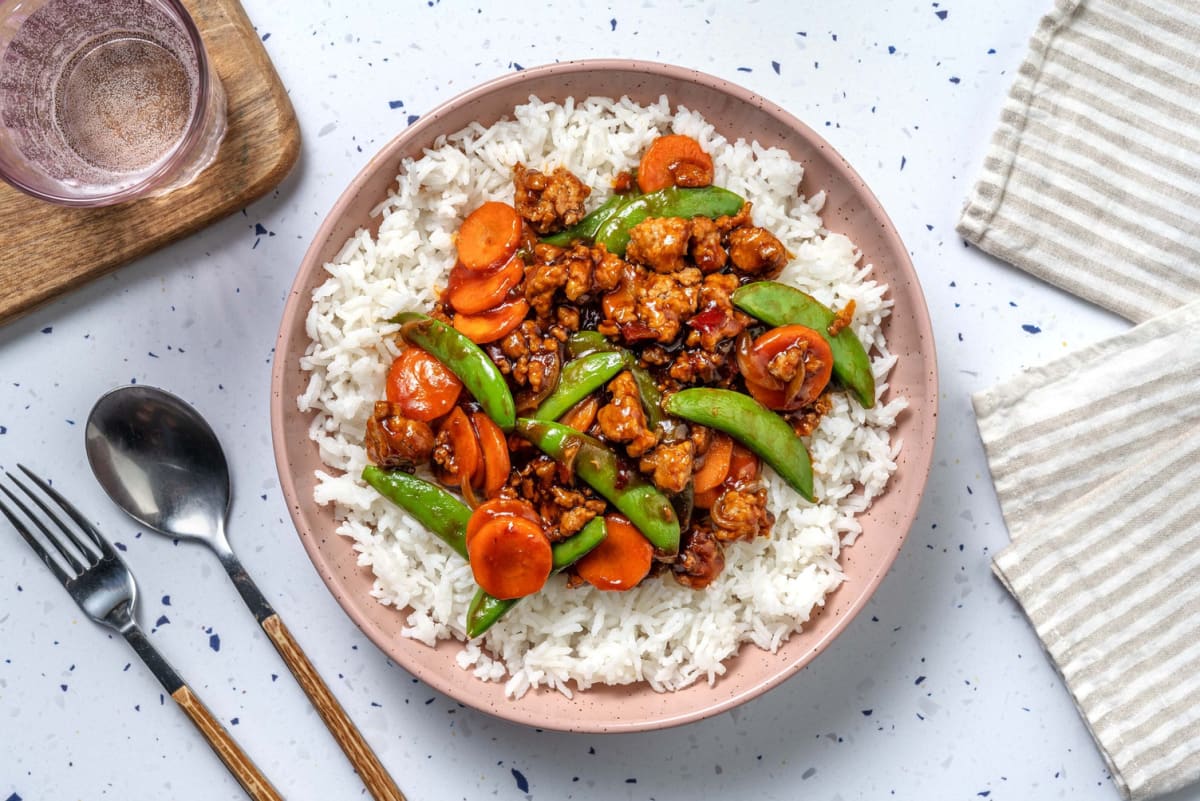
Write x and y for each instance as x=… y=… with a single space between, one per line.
x=1096 y=462
x=1092 y=180
x=1092 y=183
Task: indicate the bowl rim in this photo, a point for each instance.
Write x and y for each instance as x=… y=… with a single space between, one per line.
x=299 y=300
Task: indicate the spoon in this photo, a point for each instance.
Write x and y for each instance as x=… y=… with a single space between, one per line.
x=160 y=461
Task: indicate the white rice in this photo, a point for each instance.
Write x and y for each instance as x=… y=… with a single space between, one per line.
x=660 y=632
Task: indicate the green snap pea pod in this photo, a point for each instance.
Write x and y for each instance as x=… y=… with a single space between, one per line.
x=587 y=227
x=466 y=360
x=579 y=378
x=583 y=342
x=778 y=304
x=674 y=201
x=433 y=507
x=648 y=509
x=485 y=609
x=752 y=424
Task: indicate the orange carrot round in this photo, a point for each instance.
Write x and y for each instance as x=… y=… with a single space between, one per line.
x=421 y=386
x=811 y=376
x=716 y=463
x=674 y=160
x=744 y=467
x=493 y=508
x=493 y=448
x=510 y=557
x=489 y=236
x=621 y=560
x=493 y=324
x=471 y=291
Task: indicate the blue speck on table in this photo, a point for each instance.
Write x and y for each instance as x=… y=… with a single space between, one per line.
x=522 y=782
x=1031 y=329
x=395 y=104
x=214 y=641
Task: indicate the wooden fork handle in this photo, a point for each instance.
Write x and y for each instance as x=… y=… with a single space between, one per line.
x=374 y=776
x=245 y=771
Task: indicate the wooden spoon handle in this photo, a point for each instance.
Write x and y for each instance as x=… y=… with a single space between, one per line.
x=374 y=776
x=245 y=771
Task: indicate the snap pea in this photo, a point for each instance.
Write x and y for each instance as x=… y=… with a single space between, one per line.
x=466 y=360
x=433 y=507
x=583 y=342
x=579 y=378
x=778 y=304
x=674 y=201
x=587 y=227
x=485 y=609
x=753 y=425
x=648 y=509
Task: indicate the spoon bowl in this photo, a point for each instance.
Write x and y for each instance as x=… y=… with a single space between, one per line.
x=160 y=461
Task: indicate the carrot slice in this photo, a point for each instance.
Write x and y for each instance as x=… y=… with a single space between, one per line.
x=716 y=463
x=499 y=507
x=753 y=367
x=465 y=444
x=471 y=292
x=744 y=467
x=510 y=557
x=810 y=379
x=493 y=324
x=674 y=160
x=421 y=386
x=621 y=560
x=489 y=236
x=493 y=447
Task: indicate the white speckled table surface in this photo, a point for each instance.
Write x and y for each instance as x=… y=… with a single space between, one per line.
x=939 y=690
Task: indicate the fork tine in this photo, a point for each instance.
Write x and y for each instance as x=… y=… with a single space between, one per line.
x=24 y=531
x=94 y=536
x=79 y=561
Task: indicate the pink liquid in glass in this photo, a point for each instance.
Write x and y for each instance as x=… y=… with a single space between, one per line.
x=123 y=103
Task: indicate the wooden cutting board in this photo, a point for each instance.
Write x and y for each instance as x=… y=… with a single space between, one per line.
x=46 y=250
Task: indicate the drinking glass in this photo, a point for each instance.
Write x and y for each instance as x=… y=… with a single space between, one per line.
x=104 y=101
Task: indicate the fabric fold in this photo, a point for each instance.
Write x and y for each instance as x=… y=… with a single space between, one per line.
x=1091 y=181
x=1095 y=458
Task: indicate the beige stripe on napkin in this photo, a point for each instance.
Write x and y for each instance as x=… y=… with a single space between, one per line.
x=1096 y=462
x=1092 y=179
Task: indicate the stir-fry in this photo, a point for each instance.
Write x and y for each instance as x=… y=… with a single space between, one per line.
x=595 y=393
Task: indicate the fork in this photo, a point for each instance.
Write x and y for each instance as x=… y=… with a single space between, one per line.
x=103 y=586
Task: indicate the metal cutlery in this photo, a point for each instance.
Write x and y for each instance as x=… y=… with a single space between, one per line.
x=160 y=461
x=95 y=576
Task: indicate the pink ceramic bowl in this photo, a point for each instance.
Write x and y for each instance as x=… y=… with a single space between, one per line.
x=850 y=208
